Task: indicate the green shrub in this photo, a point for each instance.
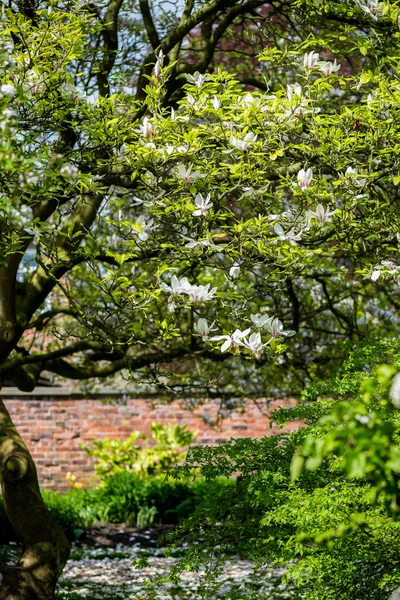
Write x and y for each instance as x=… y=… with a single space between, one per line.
x=335 y=519
x=74 y=511
x=113 y=456
x=128 y=498
x=123 y=498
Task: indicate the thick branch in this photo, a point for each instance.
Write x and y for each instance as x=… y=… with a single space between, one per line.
x=75 y=228
x=69 y=350
x=110 y=36
x=46 y=316
x=82 y=372
x=149 y=24
x=175 y=37
x=217 y=33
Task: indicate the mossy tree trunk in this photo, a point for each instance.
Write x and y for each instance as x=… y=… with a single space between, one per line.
x=45 y=546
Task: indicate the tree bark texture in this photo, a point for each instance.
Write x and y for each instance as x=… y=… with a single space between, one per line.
x=45 y=546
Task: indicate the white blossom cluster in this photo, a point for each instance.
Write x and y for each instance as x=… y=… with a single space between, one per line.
x=371 y=7
x=197 y=293
x=238 y=338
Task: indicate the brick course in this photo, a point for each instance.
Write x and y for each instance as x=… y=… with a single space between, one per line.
x=55 y=428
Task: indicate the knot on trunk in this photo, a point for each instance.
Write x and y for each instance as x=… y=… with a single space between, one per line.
x=7 y=332
x=15 y=466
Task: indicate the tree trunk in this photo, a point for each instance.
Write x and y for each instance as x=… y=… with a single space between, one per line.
x=45 y=547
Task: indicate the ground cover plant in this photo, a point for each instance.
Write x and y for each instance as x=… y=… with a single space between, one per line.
x=200 y=220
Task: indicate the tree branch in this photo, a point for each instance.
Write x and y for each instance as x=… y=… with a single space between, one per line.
x=43 y=280
x=82 y=372
x=149 y=23
x=176 y=36
x=45 y=317
x=14 y=363
x=110 y=36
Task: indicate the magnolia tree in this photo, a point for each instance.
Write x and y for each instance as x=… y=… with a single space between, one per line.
x=173 y=210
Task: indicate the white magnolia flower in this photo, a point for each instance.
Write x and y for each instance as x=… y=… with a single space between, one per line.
x=391 y=267
x=371 y=7
x=6 y=114
x=185 y=173
x=320 y=214
x=203 y=205
x=304 y=178
x=7 y=89
x=216 y=103
x=260 y=320
x=69 y=171
x=192 y=243
x=159 y=64
x=352 y=176
x=275 y=328
x=142 y=228
x=203 y=329
x=28 y=177
x=243 y=144
x=310 y=60
x=248 y=100
x=394 y=393
x=254 y=344
x=33 y=83
x=295 y=92
x=327 y=67
x=290 y=236
x=294 y=89
x=234 y=340
x=169 y=149
x=147 y=128
x=197 y=79
x=200 y=293
x=234 y=271
x=350 y=172
x=375 y=275
x=177 y=286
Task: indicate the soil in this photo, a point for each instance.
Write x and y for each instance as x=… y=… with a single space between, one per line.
x=119 y=533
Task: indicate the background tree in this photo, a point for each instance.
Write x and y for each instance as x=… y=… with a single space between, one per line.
x=161 y=219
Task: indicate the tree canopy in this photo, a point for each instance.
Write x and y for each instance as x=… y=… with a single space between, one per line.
x=126 y=180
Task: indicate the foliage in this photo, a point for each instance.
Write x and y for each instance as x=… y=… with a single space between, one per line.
x=114 y=456
x=323 y=499
x=144 y=501
x=203 y=223
x=124 y=498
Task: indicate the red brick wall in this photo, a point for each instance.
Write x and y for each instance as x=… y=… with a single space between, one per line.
x=54 y=428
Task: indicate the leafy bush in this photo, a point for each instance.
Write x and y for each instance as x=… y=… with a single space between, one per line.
x=123 y=498
x=128 y=498
x=324 y=499
x=74 y=511
x=115 y=456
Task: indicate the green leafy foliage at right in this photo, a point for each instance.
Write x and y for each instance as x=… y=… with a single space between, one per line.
x=323 y=500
